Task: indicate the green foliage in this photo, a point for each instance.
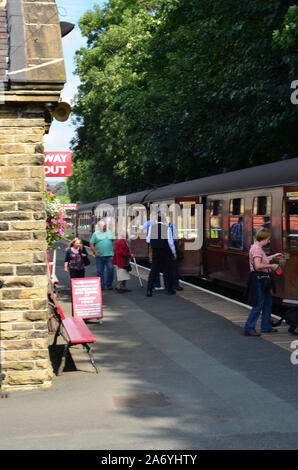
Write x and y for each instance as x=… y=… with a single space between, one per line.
x=178 y=89
x=287 y=37
x=63 y=191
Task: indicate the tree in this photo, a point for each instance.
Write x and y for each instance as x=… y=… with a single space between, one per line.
x=178 y=89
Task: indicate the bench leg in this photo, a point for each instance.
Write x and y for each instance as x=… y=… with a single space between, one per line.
x=63 y=360
x=90 y=356
x=56 y=336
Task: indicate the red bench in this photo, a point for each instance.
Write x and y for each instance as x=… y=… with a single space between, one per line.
x=77 y=333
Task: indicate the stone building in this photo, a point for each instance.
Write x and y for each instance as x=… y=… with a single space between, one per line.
x=32 y=75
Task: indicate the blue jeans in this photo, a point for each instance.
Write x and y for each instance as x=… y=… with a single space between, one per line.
x=264 y=305
x=101 y=263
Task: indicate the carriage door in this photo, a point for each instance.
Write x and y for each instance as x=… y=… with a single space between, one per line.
x=188 y=226
x=290 y=242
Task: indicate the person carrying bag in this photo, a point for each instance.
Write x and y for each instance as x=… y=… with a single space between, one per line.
x=76 y=259
x=259 y=285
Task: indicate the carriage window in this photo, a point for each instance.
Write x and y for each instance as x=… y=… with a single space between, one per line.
x=215 y=222
x=261 y=216
x=236 y=223
x=292 y=225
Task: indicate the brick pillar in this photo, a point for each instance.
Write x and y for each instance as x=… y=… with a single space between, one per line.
x=23 y=299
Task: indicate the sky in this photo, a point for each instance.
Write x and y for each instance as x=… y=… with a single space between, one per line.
x=61 y=133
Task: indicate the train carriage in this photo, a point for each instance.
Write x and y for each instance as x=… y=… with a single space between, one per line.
x=235 y=206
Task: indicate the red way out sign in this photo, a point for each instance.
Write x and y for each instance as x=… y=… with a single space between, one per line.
x=57 y=163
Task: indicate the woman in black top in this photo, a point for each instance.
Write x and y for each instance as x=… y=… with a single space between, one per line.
x=74 y=258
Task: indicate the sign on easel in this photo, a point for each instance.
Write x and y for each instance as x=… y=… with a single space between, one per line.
x=86 y=297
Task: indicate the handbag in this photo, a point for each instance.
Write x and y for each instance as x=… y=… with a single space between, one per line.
x=86 y=260
x=127 y=265
x=265 y=282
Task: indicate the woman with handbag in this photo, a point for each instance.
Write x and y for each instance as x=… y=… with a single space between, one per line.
x=260 y=283
x=76 y=259
x=121 y=259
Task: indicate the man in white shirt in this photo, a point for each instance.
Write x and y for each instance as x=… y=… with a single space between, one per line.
x=160 y=237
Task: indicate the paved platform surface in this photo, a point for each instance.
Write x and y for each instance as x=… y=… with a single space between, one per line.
x=175 y=372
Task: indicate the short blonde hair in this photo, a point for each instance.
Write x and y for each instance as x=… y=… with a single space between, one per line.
x=263 y=233
x=73 y=242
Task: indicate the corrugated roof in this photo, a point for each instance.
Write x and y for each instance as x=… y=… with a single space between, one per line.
x=284 y=172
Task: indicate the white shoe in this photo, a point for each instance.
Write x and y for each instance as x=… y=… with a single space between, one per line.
x=159 y=288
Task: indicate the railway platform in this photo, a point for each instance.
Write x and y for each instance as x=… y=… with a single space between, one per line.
x=175 y=372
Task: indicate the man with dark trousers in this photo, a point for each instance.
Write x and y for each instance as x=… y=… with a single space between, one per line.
x=161 y=241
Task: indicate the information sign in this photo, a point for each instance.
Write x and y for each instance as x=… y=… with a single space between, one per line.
x=86 y=297
x=70 y=206
x=58 y=164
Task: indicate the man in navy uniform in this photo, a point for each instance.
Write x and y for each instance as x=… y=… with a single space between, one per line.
x=160 y=237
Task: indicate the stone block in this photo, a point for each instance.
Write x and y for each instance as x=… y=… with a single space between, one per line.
x=21 y=326
x=34 y=316
x=6 y=270
x=12 y=148
x=16 y=345
x=16 y=258
x=28 y=377
x=10 y=294
x=11 y=317
x=33 y=269
x=25 y=160
x=14 y=173
x=41 y=343
x=7 y=207
x=15 y=282
x=7 y=216
x=42 y=235
x=15 y=305
x=11 y=236
x=30 y=245
x=39 y=258
x=40 y=304
x=14 y=196
x=31 y=206
x=29 y=186
x=28 y=225
x=14 y=335
x=6 y=186
x=26 y=355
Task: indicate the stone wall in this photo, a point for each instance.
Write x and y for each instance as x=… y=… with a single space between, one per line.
x=23 y=299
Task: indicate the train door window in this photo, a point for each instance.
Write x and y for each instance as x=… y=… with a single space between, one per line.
x=292 y=225
x=261 y=216
x=187 y=220
x=215 y=234
x=236 y=223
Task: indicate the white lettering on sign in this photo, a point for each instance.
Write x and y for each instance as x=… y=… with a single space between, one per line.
x=57 y=163
x=56 y=157
x=55 y=170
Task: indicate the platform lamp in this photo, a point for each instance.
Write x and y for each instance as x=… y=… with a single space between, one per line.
x=66 y=28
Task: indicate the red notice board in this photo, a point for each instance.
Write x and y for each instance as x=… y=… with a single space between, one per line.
x=86 y=297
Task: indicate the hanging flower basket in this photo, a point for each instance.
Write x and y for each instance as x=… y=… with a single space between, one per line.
x=55 y=223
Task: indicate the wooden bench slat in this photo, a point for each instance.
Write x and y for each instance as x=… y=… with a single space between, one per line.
x=78 y=331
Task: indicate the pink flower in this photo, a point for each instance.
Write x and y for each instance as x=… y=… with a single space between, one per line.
x=47 y=224
x=56 y=230
x=54 y=221
x=61 y=232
